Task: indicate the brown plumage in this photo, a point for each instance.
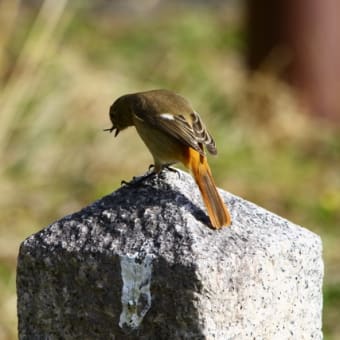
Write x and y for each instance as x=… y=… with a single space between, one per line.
x=173 y=132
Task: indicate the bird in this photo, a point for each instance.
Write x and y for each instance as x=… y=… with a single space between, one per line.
x=173 y=132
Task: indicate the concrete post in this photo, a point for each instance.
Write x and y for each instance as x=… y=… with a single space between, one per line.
x=141 y=263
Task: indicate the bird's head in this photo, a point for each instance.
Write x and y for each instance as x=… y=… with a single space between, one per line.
x=121 y=114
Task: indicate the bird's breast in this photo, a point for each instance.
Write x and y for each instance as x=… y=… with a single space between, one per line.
x=164 y=148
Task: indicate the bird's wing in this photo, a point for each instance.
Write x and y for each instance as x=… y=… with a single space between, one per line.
x=202 y=134
x=190 y=132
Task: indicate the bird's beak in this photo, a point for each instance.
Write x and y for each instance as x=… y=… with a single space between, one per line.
x=111 y=129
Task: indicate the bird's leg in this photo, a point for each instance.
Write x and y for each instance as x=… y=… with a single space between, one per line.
x=137 y=181
x=157 y=171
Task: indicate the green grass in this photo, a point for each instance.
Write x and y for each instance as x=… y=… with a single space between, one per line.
x=56 y=90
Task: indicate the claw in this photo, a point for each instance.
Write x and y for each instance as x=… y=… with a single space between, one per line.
x=169 y=168
x=137 y=180
x=123 y=182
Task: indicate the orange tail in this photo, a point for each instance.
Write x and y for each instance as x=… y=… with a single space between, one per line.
x=217 y=210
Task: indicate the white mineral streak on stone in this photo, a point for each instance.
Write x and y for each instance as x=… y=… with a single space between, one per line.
x=136 y=297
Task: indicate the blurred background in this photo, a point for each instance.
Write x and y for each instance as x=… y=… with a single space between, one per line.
x=264 y=75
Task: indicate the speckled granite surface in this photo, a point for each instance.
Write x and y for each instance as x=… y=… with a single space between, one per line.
x=141 y=264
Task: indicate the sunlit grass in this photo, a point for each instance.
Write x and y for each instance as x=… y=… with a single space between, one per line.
x=62 y=69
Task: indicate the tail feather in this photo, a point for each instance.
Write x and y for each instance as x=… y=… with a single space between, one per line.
x=217 y=210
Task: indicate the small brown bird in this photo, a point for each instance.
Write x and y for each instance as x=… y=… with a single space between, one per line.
x=173 y=132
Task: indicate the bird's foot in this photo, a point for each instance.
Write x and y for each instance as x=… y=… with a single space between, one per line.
x=171 y=169
x=151 y=172
x=137 y=180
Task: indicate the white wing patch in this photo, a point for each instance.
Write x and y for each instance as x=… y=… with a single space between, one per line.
x=167 y=116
